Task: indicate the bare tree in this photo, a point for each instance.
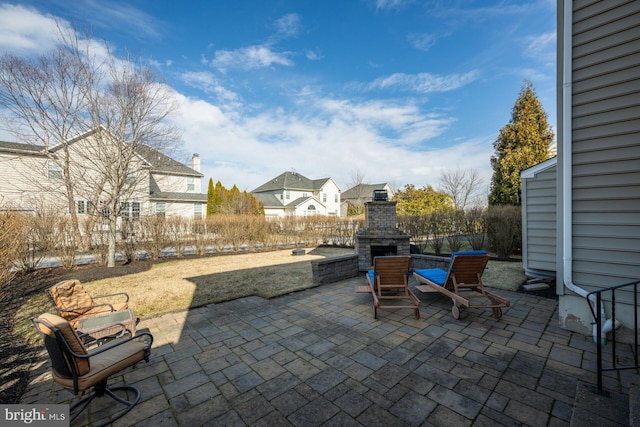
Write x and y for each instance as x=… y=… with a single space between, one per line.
x=45 y=102
x=464 y=187
x=360 y=193
x=116 y=106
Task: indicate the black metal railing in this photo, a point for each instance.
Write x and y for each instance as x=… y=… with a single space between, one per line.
x=597 y=314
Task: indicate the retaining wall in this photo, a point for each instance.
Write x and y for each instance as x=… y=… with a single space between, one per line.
x=329 y=270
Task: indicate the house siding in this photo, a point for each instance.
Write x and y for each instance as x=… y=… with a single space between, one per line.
x=539 y=210
x=605 y=149
x=604 y=153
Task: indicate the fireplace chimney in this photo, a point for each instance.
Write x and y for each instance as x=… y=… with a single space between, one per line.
x=381 y=235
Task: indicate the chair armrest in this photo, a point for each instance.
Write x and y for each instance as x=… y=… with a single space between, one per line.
x=126 y=296
x=111 y=345
x=74 y=309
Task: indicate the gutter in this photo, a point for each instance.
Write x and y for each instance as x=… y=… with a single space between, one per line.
x=567 y=187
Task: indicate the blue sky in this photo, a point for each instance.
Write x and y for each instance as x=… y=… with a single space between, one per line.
x=395 y=91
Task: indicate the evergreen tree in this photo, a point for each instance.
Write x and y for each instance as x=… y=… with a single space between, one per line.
x=522 y=143
x=210 y=198
x=220 y=200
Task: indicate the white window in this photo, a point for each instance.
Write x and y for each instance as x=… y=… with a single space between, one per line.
x=311 y=210
x=197 y=210
x=81 y=207
x=130 y=210
x=161 y=208
x=324 y=197
x=191 y=186
x=287 y=194
x=131 y=177
x=335 y=198
x=54 y=170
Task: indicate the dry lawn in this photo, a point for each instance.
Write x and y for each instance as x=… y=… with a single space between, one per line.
x=183 y=283
x=179 y=284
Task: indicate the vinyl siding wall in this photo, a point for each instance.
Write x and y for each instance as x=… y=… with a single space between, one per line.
x=539 y=210
x=606 y=142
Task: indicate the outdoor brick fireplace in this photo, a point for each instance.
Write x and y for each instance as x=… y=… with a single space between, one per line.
x=381 y=236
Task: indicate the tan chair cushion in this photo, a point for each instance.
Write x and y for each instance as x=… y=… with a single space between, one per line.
x=82 y=366
x=70 y=294
x=105 y=364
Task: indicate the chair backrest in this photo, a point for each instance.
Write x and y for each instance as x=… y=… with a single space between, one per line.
x=70 y=295
x=392 y=270
x=467 y=267
x=61 y=342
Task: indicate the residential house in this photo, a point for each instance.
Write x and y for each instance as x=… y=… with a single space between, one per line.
x=598 y=165
x=293 y=194
x=160 y=184
x=353 y=199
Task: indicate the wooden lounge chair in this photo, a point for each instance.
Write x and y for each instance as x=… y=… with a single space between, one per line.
x=389 y=284
x=73 y=303
x=462 y=282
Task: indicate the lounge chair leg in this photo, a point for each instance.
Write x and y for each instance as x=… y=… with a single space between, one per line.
x=497 y=312
x=455 y=311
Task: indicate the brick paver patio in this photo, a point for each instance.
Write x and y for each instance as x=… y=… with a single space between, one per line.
x=318 y=357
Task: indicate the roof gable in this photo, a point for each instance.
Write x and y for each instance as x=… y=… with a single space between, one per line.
x=158 y=162
x=363 y=191
x=291 y=181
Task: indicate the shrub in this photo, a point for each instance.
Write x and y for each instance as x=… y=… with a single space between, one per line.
x=454 y=221
x=11 y=239
x=476 y=227
x=504 y=229
x=37 y=239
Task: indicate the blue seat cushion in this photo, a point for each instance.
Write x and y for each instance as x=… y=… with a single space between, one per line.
x=372 y=275
x=434 y=275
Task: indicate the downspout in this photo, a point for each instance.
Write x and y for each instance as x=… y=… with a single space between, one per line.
x=567 y=187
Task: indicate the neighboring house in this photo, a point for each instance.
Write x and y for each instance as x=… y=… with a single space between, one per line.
x=539 y=219
x=598 y=243
x=353 y=199
x=161 y=185
x=293 y=194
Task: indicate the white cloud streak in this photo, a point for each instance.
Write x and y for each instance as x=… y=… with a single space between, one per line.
x=423 y=82
x=250 y=58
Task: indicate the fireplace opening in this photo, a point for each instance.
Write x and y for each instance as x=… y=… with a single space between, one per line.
x=380 y=250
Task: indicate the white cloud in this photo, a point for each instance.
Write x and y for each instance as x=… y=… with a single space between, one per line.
x=26 y=31
x=422 y=42
x=542 y=48
x=334 y=139
x=249 y=58
x=423 y=82
x=390 y=4
x=208 y=83
x=289 y=25
x=313 y=55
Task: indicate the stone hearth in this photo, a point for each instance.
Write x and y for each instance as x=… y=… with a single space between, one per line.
x=381 y=236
